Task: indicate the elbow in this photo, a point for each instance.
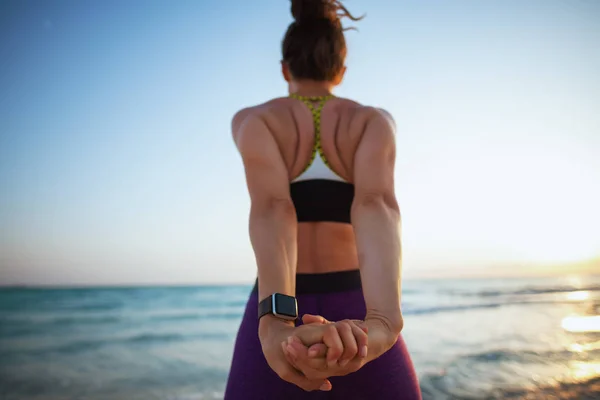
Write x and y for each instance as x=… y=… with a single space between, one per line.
x=396 y=328
x=397 y=325
x=281 y=206
x=392 y=323
x=274 y=207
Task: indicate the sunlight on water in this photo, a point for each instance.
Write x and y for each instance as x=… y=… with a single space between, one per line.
x=579 y=295
x=574 y=280
x=583 y=348
x=581 y=324
x=582 y=371
x=177 y=343
x=579 y=348
x=576 y=347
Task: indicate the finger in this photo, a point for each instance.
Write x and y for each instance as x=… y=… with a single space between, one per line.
x=313 y=319
x=310 y=334
x=317 y=350
x=312 y=368
x=291 y=375
x=362 y=339
x=302 y=353
x=348 y=341
x=361 y=325
x=296 y=348
x=288 y=356
x=334 y=343
x=295 y=375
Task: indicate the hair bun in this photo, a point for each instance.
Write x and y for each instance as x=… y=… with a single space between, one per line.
x=306 y=10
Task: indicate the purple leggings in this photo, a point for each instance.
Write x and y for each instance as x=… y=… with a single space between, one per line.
x=335 y=296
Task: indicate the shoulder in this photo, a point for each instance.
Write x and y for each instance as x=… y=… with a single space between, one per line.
x=387 y=117
x=252 y=128
x=363 y=114
x=245 y=114
x=370 y=126
x=379 y=124
x=377 y=128
x=380 y=116
x=255 y=113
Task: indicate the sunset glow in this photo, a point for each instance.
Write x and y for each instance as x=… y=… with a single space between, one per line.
x=582 y=324
x=112 y=176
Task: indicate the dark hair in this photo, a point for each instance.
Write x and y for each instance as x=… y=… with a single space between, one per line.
x=314 y=46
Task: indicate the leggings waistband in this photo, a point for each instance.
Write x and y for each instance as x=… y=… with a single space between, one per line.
x=325 y=282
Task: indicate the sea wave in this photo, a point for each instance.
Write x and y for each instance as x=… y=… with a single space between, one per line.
x=87 y=320
x=433 y=387
x=80 y=346
x=59 y=319
x=157 y=337
x=473 y=306
x=531 y=291
x=529 y=356
x=26 y=324
x=494 y=375
x=23 y=327
x=198 y=316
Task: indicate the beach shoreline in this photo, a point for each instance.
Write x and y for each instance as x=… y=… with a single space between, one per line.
x=586 y=390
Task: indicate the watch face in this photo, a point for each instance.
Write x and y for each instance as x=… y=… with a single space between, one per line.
x=285 y=305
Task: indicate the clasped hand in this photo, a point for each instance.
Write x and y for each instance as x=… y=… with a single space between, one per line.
x=309 y=354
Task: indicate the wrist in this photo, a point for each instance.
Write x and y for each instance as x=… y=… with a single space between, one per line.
x=270 y=323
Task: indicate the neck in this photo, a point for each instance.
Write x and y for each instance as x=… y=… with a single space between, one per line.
x=310 y=88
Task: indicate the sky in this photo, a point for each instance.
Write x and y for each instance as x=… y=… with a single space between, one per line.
x=117 y=164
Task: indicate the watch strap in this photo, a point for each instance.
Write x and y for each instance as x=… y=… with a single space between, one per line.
x=279 y=305
x=266 y=306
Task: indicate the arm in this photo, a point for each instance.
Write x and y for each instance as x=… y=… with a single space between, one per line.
x=273 y=233
x=273 y=230
x=376 y=222
x=273 y=224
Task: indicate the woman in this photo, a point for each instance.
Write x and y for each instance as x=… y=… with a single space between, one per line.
x=324 y=225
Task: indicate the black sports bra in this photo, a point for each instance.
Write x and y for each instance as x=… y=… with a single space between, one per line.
x=318 y=193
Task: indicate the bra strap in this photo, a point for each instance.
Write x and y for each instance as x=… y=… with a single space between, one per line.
x=316 y=116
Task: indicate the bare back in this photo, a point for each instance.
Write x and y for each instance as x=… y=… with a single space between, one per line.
x=322 y=246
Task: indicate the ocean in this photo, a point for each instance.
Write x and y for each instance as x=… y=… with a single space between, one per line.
x=469 y=339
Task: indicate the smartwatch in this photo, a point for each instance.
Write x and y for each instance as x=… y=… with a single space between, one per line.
x=279 y=305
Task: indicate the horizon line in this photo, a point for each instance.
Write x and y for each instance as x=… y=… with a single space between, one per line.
x=83 y=286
